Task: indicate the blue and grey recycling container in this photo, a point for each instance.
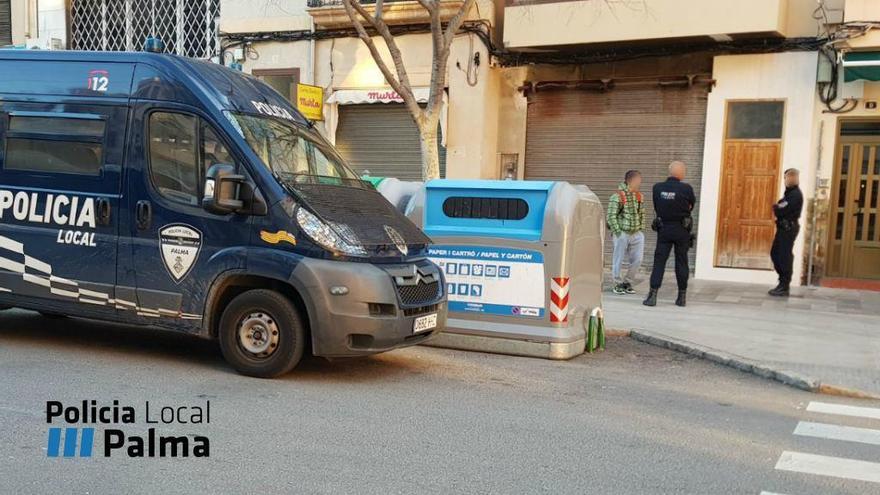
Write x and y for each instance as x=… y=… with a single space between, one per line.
x=522 y=262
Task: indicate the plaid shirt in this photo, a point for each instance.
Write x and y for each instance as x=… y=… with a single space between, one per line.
x=629 y=217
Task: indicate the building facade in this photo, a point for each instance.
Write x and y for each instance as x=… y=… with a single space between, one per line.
x=313 y=43
x=740 y=91
x=18 y=21
x=581 y=91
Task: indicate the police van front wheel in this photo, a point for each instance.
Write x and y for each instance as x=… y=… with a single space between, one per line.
x=262 y=334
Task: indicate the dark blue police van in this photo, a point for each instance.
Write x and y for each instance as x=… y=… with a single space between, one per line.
x=157 y=190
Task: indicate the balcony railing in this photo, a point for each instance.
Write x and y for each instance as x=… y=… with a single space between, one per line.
x=330 y=14
x=316 y=4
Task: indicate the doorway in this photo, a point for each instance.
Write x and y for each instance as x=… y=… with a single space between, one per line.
x=750 y=178
x=854 y=244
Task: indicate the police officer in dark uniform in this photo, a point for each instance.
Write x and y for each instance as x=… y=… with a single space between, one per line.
x=673 y=203
x=788 y=213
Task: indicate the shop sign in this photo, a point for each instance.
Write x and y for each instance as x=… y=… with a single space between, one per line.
x=310 y=101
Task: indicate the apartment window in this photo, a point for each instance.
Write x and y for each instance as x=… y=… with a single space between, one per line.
x=55 y=144
x=188 y=27
x=282 y=80
x=755 y=119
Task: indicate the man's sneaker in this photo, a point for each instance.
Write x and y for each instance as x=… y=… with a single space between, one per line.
x=618 y=289
x=629 y=288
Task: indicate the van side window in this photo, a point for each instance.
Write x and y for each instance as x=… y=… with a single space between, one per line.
x=182 y=149
x=174 y=166
x=213 y=149
x=62 y=145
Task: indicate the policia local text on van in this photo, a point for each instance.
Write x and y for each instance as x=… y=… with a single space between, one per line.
x=157 y=190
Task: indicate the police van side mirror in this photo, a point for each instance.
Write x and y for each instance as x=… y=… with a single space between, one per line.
x=222 y=189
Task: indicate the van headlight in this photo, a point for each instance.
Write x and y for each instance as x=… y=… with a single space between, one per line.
x=321 y=233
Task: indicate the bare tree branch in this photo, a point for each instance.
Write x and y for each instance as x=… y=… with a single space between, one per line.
x=441 y=42
x=365 y=37
x=438 y=67
x=401 y=84
x=428 y=5
x=455 y=23
x=379 y=10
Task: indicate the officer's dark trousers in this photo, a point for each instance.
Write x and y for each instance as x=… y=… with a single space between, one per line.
x=782 y=256
x=669 y=238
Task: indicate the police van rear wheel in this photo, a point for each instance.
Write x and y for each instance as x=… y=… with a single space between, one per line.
x=262 y=334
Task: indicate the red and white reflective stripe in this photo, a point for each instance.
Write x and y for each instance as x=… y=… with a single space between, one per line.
x=559 y=299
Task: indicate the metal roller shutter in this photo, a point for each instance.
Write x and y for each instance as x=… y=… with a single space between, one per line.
x=593 y=138
x=382 y=138
x=5 y=23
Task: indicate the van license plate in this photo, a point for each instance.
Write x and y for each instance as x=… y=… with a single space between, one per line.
x=424 y=323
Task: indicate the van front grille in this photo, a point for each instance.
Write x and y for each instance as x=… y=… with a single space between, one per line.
x=419 y=294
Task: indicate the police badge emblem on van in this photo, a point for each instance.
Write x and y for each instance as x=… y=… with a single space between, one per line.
x=180 y=245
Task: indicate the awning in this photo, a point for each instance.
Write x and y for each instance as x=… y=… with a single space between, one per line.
x=861 y=66
x=374 y=95
x=378 y=95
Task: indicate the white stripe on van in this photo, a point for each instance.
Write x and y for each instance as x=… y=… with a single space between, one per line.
x=11 y=245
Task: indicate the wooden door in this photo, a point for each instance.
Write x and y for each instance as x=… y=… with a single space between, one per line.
x=750 y=184
x=854 y=247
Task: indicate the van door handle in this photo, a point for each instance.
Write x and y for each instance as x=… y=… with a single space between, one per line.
x=144 y=212
x=103 y=211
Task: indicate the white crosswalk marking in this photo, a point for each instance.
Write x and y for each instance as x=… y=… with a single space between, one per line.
x=836 y=432
x=844 y=410
x=836 y=467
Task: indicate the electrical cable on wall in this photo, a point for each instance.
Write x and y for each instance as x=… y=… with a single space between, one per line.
x=482 y=30
x=828 y=92
x=472 y=73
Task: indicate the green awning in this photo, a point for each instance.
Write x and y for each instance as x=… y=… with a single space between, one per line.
x=861 y=66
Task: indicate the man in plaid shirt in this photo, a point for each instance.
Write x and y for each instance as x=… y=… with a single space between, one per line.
x=626 y=221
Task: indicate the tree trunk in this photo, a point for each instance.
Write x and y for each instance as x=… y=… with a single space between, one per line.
x=430 y=151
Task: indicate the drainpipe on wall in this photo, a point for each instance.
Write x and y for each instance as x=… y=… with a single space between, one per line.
x=815 y=207
x=311 y=74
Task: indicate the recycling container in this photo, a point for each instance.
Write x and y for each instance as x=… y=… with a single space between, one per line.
x=522 y=262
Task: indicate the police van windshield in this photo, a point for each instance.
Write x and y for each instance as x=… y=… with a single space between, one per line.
x=294 y=154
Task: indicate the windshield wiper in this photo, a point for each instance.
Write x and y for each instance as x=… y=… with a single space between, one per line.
x=295 y=178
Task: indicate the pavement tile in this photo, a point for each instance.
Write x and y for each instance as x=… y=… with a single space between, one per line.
x=727 y=299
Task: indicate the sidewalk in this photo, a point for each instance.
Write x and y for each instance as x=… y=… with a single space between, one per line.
x=819 y=337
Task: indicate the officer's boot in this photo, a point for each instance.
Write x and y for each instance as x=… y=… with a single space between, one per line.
x=651 y=300
x=776 y=290
x=781 y=291
x=681 y=300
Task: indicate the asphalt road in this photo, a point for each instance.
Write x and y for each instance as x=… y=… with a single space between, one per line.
x=632 y=420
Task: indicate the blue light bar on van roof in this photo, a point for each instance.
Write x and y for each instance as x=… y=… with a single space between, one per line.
x=486 y=208
x=154 y=45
